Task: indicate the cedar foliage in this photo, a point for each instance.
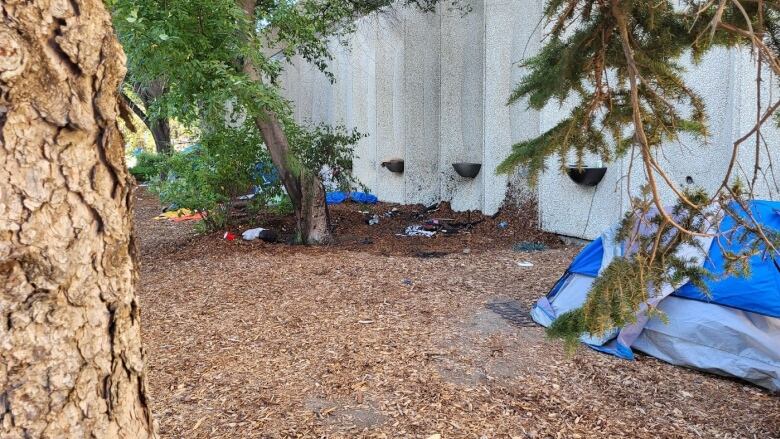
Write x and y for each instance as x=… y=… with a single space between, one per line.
x=594 y=51
x=651 y=262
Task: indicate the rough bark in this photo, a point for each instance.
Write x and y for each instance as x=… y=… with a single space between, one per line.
x=305 y=190
x=71 y=363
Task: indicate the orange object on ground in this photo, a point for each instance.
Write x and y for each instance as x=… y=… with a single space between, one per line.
x=191 y=217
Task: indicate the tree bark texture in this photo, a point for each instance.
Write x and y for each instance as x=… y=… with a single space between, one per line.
x=71 y=363
x=305 y=190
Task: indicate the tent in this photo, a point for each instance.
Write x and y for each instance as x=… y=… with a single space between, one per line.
x=735 y=331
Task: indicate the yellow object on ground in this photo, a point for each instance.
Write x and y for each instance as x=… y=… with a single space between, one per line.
x=171 y=214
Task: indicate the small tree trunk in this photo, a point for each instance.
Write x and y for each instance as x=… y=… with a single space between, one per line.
x=161 y=131
x=313 y=215
x=71 y=363
x=160 y=128
x=305 y=190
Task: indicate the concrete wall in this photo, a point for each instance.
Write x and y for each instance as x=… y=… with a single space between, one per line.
x=726 y=81
x=432 y=89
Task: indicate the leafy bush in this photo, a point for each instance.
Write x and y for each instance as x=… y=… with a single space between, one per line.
x=229 y=163
x=325 y=145
x=210 y=177
x=148 y=166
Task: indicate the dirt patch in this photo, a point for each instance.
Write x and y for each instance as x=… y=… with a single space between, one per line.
x=458 y=232
x=259 y=340
x=157 y=238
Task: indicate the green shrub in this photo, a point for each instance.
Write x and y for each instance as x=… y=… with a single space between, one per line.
x=210 y=176
x=229 y=163
x=148 y=166
x=320 y=145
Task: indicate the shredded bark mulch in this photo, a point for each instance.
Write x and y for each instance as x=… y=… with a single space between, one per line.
x=396 y=338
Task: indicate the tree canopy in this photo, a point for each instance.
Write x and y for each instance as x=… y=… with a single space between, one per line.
x=218 y=62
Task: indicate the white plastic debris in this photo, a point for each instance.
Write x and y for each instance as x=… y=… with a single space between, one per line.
x=252 y=234
x=418 y=231
x=525 y=264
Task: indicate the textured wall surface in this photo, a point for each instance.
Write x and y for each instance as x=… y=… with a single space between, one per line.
x=461 y=110
x=432 y=89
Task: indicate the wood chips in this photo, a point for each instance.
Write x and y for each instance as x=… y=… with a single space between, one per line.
x=262 y=340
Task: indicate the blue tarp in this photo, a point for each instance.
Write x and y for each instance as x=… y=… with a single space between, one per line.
x=588 y=262
x=735 y=331
x=339 y=197
x=759 y=293
x=266 y=173
x=363 y=198
x=335 y=197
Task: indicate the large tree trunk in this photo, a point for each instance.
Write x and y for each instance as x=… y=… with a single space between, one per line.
x=71 y=363
x=305 y=190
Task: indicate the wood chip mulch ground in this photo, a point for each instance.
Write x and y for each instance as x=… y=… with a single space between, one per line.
x=376 y=338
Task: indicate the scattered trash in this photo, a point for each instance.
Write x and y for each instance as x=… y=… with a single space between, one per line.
x=173 y=214
x=525 y=264
x=373 y=220
x=247 y=196
x=259 y=233
x=228 y=236
x=417 y=230
x=503 y=225
x=407 y=282
x=391 y=213
x=180 y=215
x=191 y=217
x=426 y=211
x=527 y=246
x=466 y=251
x=365 y=322
x=433 y=223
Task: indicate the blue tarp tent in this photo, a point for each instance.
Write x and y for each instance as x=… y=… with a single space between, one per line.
x=735 y=331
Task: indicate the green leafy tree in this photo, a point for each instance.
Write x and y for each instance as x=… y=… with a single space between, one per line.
x=212 y=54
x=618 y=61
x=210 y=177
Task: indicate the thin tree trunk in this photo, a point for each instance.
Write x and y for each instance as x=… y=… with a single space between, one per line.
x=160 y=127
x=71 y=363
x=161 y=131
x=305 y=190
